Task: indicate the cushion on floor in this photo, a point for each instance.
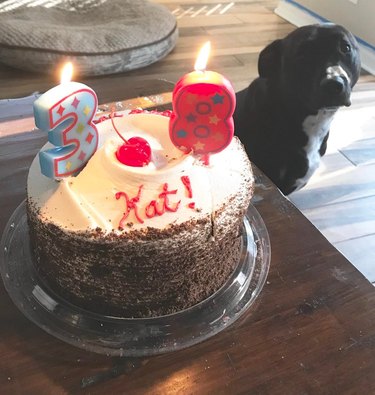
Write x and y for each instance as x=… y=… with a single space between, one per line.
x=106 y=36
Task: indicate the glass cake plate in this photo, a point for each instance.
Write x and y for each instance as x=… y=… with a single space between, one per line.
x=133 y=337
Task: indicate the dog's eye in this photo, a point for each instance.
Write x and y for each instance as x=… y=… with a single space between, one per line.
x=345 y=47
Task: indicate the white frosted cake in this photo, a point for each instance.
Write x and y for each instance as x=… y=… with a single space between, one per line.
x=140 y=241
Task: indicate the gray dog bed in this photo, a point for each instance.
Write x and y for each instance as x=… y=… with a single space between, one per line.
x=106 y=36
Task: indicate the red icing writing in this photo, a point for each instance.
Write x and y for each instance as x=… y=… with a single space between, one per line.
x=186 y=181
x=164 y=195
x=130 y=204
x=155 y=207
x=152 y=208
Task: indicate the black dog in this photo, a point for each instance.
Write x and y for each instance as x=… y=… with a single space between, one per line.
x=283 y=117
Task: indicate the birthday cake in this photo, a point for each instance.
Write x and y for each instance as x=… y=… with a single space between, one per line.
x=140 y=241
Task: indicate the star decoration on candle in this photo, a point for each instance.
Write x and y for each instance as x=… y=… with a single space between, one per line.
x=75 y=102
x=191 y=117
x=89 y=138
x=68 y=165
x=214 y=119
x=181 y=133
x=87 y=110
x=217 y=99
x=82 y=156
x=191 y=98
x=80 y=128
x=61 y=110
x=198 y=146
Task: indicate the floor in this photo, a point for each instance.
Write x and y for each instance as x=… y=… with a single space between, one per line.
x=340 y=199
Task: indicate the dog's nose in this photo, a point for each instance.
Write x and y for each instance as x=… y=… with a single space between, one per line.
x=333 y=85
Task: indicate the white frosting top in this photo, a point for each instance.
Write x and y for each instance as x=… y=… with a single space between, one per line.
x=88 y=200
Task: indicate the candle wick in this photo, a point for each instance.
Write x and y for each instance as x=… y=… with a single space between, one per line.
x=112 y=115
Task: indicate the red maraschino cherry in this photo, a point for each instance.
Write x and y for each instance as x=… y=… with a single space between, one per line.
x=134 y=152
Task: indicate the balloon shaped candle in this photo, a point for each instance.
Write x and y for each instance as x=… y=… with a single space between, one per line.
x=66 y=112
x=203 y=105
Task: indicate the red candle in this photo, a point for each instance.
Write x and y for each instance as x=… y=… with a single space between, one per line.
x=203 y=105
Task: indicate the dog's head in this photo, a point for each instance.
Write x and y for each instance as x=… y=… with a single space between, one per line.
x=315 y=66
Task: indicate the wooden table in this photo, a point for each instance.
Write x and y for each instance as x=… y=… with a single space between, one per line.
x=312 y=330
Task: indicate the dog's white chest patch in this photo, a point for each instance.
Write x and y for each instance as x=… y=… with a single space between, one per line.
x=316 y=128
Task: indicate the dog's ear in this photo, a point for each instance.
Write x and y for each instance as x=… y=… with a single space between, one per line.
x=270 y=60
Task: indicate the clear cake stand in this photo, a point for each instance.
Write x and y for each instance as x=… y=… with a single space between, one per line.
x=133 y=337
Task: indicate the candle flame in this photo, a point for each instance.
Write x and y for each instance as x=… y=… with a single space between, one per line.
x=66 y=73
x=201 y=62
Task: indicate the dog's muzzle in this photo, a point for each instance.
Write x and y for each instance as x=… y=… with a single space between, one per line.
x=335 y=87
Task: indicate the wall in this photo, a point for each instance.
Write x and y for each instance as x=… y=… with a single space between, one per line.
x=358 y=16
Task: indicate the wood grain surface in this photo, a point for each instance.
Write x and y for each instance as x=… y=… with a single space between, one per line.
x=312 y=330
x=237 y=36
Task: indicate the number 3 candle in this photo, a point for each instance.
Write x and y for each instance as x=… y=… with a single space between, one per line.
x=203 y=105
x=66 y=112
